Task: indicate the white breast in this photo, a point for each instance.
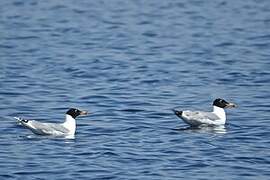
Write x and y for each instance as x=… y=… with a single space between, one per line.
x=220 y=113
x=70 y=124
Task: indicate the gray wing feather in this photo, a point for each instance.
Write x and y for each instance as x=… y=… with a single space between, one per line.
x=45 y=128
x=198 y=115
x=209 y=116
x=197 y=118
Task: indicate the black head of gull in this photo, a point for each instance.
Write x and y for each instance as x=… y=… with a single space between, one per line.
x=223 y=104
x=76 y=112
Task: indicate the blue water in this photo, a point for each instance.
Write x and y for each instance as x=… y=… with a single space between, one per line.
x=130 y=63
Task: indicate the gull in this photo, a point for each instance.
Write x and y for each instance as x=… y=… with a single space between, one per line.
x=200 y=118
x=67 y=128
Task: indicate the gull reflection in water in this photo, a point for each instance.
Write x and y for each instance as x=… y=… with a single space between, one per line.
x=205 y=129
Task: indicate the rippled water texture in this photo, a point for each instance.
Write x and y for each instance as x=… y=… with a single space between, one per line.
x=130 y=63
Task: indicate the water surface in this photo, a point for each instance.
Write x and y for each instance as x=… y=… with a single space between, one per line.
x=130 y=63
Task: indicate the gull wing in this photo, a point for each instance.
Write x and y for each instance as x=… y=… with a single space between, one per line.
x=202 y=115
x=45 y=128
x=196 y=118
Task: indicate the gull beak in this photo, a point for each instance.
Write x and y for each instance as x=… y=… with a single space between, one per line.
x=83 y=113
x=231 y=105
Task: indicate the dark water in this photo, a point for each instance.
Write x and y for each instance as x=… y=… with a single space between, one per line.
x=130 y=63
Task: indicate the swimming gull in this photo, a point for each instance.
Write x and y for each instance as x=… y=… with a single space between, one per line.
x=215 y=118
x=67 y=128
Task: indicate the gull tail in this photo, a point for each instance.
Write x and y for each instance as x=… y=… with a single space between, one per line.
x=178 y=113
x=21 y=120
